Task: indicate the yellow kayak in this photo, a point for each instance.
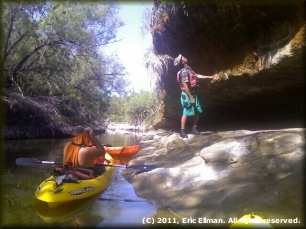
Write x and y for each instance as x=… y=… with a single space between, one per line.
x=56 y=193
x=65 y=212
x=250 y=221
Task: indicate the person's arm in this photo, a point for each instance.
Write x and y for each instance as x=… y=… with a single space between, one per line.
x=206 y=77
x=186 y=89
x=97 y=143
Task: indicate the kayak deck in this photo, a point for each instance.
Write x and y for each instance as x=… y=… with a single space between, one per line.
x=50 y=192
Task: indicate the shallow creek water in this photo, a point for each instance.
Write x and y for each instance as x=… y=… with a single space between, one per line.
x=117 y=206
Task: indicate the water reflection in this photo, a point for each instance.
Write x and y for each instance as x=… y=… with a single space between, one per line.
x=86 y=220
x=119 y=204
x=52 y=149
x=118 y=139
x=46 y=149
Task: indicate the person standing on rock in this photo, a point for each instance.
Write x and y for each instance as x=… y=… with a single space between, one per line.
x=189 y=81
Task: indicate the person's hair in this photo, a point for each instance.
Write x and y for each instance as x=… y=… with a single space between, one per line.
x=79 y=130
x=82 y=140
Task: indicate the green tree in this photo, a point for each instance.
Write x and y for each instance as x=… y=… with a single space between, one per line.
x=141 y=106
x=149 y=54
x=117 y=109
x=135 y=109
x=145 y=22
x=56 y=49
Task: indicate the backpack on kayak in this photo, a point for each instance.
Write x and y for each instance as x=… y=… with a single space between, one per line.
x=71 y=175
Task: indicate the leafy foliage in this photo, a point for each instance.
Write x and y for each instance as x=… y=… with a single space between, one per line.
x=136 y=109
x=56 y=49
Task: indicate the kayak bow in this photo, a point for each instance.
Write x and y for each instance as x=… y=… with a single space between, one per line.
x=250 y=221
x=50 y=192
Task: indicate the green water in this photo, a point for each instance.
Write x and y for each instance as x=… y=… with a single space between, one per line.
x=118 y=205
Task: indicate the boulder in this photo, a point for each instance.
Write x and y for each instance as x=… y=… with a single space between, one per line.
x=225 y=174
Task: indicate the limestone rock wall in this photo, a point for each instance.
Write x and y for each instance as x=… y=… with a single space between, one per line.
x=260 y=46
x=225 y=174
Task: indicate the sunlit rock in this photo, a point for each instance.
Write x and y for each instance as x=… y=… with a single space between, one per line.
x=225 y=174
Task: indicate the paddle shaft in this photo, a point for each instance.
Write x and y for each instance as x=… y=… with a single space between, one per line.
x=142 y=167
x=34 y=161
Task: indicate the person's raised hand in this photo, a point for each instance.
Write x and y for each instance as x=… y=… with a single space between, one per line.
x=214 y=78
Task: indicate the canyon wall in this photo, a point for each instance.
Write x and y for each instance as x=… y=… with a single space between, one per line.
x=257 y=49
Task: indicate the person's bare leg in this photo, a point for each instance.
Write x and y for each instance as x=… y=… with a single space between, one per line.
x=183 y=122
x=195 y=124
x=195 y=120
x=183 y=125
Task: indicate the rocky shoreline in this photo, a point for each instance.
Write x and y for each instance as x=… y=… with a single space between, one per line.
x=224 y=174
x=218 y=174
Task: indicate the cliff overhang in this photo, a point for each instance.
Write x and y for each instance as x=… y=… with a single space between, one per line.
x=257 y=49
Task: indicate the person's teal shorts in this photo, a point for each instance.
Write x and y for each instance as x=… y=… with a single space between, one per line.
x=188 y=108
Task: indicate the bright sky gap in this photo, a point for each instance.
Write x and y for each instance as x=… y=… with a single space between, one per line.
x=132 y=47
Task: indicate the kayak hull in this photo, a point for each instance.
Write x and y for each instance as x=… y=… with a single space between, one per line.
x=64 y=212
x=121 y=160
x=49 y=192
x=125 y=151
